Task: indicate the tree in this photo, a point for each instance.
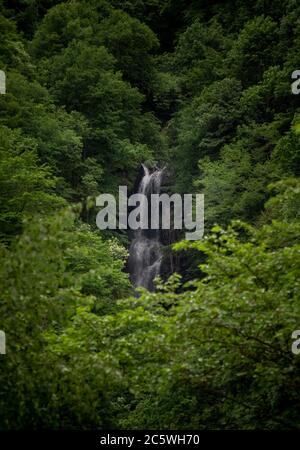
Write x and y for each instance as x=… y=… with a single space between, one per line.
x=53 y=272
x=255 y=50
x=25 y=188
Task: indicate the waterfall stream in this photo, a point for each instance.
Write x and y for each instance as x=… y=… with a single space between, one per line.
x=145 y=255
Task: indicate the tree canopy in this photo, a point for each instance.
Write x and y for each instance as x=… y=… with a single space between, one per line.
x=94 y=89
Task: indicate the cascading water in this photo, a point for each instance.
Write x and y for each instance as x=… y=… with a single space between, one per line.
x=145 y=255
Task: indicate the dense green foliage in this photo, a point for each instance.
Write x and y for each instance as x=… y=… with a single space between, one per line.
x=95 y=88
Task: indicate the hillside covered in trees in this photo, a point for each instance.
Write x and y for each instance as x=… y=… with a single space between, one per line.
x=95 y=88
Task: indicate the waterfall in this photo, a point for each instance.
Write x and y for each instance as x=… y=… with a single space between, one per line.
x=145 y=254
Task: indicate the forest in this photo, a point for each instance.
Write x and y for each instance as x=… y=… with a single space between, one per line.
x=95 y=89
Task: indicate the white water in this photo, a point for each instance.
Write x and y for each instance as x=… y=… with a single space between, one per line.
x=145 y=250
